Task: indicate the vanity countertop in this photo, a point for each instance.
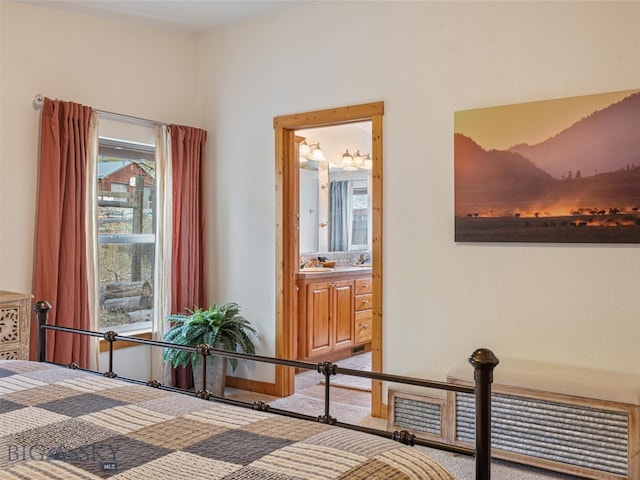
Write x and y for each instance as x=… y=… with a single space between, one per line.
x=338 y=271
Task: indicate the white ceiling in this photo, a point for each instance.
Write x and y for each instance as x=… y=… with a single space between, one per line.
x=189 y=15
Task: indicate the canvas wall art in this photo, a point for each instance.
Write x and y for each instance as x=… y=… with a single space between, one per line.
x=554 y=171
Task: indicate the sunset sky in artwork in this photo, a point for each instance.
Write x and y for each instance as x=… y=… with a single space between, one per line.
x=505 y=126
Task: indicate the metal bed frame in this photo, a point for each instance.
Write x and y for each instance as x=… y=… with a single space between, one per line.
x=482 y=360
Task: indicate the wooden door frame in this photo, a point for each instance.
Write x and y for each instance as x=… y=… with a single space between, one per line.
x=287 y=235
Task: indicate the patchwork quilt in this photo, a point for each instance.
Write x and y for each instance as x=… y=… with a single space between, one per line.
x=69 y=424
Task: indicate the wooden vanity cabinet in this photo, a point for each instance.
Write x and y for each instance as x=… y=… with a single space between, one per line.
x=328 y=309
x=334 y=314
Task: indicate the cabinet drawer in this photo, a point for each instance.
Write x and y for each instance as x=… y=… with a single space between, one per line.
x=363 y=326
x=363 y=286
x=363 y=302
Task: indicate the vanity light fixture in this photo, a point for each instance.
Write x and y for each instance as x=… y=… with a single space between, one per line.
x=358 y=160
x=310 y=152
x=347 y=159
x=316 y=152
x=367 y=163
x=353 y=162
x=305 y=151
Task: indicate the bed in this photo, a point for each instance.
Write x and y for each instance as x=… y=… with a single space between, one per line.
x=70 y=423
x=73 y=424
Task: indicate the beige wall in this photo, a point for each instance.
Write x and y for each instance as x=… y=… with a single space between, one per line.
x=573 y=304
x=112 y=66
x=109 y=65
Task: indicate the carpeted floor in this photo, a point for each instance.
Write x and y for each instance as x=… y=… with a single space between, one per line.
x=357 y=362
x=315 y=407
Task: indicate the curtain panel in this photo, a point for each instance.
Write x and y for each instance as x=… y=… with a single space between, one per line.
x=188 y=266
x=163 y=257
x=60 y=265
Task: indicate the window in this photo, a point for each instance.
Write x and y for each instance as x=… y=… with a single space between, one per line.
x=126 y=219
x=359 y=219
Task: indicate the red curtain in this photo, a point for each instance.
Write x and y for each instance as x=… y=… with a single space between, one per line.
x=60 y=266
x=188 y=268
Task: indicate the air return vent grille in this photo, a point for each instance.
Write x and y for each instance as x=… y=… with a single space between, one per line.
x=417 y=415
x=580 y=436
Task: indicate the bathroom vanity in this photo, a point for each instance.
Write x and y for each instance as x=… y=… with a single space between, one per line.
x=334 y=312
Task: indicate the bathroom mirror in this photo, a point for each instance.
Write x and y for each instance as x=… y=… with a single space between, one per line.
x=335 y=189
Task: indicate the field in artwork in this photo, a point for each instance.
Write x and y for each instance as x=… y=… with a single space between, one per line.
x=552 y=230
x=561 y=171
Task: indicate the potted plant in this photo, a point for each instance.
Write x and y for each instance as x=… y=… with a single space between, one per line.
x=219 y=326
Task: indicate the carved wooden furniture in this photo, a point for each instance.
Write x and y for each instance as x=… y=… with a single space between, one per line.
x=15 y=313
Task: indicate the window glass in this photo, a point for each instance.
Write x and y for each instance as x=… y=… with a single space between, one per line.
x=126 y=234
x=360 y=214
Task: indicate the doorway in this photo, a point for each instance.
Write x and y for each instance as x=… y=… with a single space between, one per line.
x=288 y=236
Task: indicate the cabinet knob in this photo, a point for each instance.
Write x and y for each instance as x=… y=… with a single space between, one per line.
x=364 y=302
x=365 y=326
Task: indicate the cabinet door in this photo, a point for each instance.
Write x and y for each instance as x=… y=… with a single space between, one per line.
x=343 y=318
x=319 y=328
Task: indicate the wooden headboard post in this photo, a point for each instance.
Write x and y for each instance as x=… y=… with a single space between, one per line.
x=483 y=361
x=42 y=313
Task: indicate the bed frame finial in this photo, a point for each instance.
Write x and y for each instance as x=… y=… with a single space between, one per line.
x=42 y=312
x=483 y=361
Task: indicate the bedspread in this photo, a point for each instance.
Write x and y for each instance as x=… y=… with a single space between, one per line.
x=70 y=424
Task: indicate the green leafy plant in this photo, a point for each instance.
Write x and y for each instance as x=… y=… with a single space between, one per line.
x=219 y=326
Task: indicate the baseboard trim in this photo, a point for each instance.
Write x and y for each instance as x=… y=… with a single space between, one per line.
x=251 y=385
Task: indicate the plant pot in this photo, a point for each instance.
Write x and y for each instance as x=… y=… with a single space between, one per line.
x=216 y=375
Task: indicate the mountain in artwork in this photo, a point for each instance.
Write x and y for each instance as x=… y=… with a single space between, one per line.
x=605 y=141
x=487 y=178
